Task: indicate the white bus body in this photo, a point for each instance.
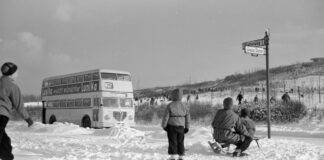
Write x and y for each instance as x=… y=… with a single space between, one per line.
x=96 y=98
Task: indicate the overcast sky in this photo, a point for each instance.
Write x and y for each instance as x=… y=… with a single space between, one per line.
x=161 y=42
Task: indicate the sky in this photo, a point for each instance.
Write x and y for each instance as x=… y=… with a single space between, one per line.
x=161 y=42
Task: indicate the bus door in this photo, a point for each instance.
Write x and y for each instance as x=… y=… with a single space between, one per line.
x=95 y=111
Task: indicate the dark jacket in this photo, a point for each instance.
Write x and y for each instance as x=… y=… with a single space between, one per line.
x=228 y=127
x=10 y=98
x=249 y=125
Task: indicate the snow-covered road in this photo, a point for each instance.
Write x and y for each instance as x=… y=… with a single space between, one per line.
x=69 y=141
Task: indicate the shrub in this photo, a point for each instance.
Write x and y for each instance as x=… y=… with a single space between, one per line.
x=280 y=112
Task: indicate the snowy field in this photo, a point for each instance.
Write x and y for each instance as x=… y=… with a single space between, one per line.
x=69 y=141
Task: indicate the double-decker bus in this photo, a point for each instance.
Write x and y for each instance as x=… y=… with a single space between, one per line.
x=96 y=98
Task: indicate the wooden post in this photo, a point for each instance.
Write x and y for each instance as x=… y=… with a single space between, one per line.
x=266 y=38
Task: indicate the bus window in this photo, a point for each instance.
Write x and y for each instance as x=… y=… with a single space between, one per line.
x=95 y=85
x=87 y=102
x=86 y=87
x=79 y=79
x=95 y=76
x=110 y=76
x=88 y=77
x=110 y=102
x=124 y=77
x=96 y=101
x=78 y=102
x=44 y=92
x=56 y=104
x=65 y=80
x=63 y=103
x=126 y=103
x=70 y=103
x=77 y=88
x=50 y=104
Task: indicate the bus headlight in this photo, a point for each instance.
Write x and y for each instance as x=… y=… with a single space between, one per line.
x=107 y=117
x=109 y=85
x=130 y=117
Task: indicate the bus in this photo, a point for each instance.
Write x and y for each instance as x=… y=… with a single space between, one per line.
x=96 y=99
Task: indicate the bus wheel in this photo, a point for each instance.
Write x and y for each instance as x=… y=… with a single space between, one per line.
x=52 y=119
x=86 y=122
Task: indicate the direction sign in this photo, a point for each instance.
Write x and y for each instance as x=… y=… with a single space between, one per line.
x=255 y=43
x=254 y=50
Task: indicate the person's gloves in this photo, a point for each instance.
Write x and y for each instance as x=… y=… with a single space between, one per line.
x=29 y=121
x=186 y=130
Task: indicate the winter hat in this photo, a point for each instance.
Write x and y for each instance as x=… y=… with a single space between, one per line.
x=176 y=95
x=228 y=103
x=245 y=112
x=8 y=68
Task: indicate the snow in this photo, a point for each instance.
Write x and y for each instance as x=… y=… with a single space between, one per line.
x=61 y=141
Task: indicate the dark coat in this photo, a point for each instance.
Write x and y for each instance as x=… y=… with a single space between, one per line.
x=10 y=98
x=249 y=125
x=228 y=127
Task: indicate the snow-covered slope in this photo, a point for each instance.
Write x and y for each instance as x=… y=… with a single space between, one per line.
x=69 y=141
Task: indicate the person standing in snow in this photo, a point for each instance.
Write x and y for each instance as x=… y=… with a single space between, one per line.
x=256 y=99
x=10 y=98
x=229 y=129
x=285 y=97
x=176 y=123
x=239 y=97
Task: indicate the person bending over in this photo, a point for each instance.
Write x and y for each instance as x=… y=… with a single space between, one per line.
x=229 y=129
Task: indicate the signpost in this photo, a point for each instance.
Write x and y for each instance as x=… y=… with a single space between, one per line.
x=261 y=47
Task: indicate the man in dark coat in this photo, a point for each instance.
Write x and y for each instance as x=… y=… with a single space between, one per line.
x=285 y=97
x=10 y=98
x=176 y=122
x=239 y=98
x=229 y=129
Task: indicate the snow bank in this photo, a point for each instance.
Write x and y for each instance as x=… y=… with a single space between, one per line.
x=121 y=132
x=56 y=128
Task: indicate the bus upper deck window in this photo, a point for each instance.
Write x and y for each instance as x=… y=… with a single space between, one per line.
x=124 y=77
x=110 y=76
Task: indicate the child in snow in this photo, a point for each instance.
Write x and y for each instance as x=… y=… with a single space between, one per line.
x=176 y=123
x=10 y=98
x=229 y=129
x=247 y=122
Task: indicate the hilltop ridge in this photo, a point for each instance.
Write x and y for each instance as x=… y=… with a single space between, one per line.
x=239 y=80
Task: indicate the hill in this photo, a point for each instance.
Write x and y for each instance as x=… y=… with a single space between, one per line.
x=278 y=76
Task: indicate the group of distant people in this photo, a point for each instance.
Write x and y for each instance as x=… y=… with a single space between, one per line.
x=285 y=98
x=228 y=127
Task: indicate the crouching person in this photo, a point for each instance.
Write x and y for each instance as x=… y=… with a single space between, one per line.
x=247 y=122
x=229 y=129
x=176 y=123
x=10 y=98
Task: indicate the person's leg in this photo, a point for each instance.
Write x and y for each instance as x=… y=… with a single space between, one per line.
x=180 y=141
x=5 y=142
x=245 y=144
x=172 y=138
x=241 y=146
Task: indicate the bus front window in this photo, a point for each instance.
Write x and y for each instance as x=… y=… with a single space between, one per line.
x=110 y=102
x=126 y=103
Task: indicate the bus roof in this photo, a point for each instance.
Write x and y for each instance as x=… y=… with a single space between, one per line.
x=89 y=71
